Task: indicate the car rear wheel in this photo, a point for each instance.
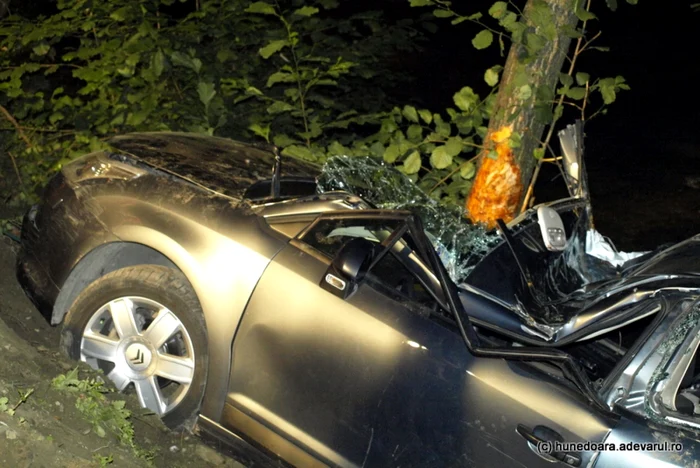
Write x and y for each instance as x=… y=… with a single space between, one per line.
x=144 y=328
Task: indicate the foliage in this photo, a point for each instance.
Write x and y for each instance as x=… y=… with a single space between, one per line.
x=302 y=74
x=104 y=415
x=439 y=150
x=232 y=68
x=103 y=460
x=23 y=396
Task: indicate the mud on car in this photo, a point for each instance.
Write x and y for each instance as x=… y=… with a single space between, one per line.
x=335 y=317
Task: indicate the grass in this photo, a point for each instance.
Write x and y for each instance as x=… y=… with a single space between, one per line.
x=105 y=416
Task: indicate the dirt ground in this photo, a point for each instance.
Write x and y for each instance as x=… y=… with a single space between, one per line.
x=41 y=425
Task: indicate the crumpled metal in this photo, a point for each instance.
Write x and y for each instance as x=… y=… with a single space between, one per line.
x=459 y=243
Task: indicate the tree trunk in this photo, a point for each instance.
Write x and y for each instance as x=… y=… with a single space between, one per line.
x=501 y=182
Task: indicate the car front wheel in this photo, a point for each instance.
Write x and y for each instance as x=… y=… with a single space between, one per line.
x=144 y=328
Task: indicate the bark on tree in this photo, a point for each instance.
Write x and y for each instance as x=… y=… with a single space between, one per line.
x=500 y=184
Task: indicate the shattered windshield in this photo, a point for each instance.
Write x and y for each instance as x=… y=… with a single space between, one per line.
x=459 y=243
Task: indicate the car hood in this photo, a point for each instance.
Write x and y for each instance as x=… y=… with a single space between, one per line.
x=225 y=166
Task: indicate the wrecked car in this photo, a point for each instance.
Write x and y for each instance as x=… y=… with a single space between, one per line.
x=340 y=317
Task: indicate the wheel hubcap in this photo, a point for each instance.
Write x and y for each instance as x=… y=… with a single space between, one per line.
x=139 y=342
x=138 y=356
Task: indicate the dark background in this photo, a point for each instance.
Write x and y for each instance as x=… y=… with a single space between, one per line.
x=643 y=157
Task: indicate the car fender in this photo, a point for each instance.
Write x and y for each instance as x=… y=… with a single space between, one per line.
x=222 y=271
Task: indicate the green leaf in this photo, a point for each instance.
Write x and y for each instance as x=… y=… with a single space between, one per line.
x=632 y=2
x=607 y=90
x=118 y=119
x=306 y=11
x=523 y=93
x=426 y=115
x=298 y=151
x=283 y=140
x=410 y=113
x=538 y=153
x=120 y=14
x=440 y=159
x=573 y=33
x=279 y=77
x=260 y=130
x=468 y=170
x=515 y=140
x=412 y=163
x=443 y=13
x=584 y=15
x=491 y=75
x=465 y=99
x=576 y=93
x=392 y=152
x=582 y=78
x=55 y=117
x=278 y=107
x=420 y=3
x=612 y=4
x=443 y=129
x=453 y=146
x=336 y=149
x=273 y=47
x=483 y=39
x=498 y=9
x=206 y=92
x=414 y=133
x=558 y=111
x=461 y=19
x=41 y=49
x=184 y=60
x=158 y=62
x=138 y=117
x=566 y=79
x=261 y=8
x=534 y=43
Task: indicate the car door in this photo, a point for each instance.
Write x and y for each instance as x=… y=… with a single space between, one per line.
x=658 y=395
x=383 y=377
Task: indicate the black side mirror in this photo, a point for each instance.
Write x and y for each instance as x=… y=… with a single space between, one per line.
x=349 y=267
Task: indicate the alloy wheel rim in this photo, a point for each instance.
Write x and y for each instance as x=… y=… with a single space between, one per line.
x=140 y=343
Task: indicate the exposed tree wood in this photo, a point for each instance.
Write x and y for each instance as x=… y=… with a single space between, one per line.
x=498 y=186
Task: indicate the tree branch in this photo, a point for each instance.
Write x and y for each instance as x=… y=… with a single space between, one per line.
x=12 y=120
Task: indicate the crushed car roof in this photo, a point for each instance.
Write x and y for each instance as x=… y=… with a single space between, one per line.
x=219 y=164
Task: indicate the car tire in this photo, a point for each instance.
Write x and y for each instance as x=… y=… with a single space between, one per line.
x=91 y=328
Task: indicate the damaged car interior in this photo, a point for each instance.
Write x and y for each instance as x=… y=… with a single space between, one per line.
x=326 y=319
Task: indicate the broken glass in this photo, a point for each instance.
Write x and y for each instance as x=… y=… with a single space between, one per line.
x=459 y=243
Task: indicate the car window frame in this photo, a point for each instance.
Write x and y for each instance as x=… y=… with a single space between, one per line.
x=634 y=388
x=675 y=367
x=428 y=279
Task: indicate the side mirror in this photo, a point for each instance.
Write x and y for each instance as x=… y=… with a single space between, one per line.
x=349 y=267
x=552 y=228
x=571 y=141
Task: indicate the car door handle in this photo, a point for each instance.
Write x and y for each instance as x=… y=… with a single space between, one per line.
x=540 y=440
